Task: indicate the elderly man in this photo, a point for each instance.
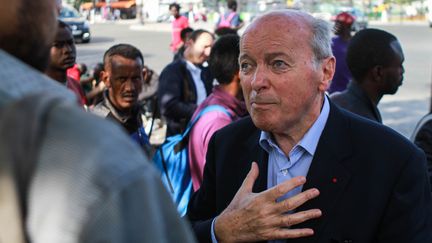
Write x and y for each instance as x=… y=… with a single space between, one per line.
x=90 y=182
x=314 y=174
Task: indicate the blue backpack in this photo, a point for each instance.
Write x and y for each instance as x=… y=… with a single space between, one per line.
x=172 y=160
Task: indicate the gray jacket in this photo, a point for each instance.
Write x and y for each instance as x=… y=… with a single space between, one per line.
x=91 y=182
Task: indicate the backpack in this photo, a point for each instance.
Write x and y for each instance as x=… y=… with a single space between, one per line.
x=172 y=160
x=22 y=126
x=226 y=22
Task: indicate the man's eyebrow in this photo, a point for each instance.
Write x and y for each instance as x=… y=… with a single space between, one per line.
x=244 y=56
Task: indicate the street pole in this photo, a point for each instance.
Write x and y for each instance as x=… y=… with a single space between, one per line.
x=139 y=6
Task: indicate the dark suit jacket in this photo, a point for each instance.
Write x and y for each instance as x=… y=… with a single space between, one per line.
x=355 y=100
x=177 y=94
x=381 y=192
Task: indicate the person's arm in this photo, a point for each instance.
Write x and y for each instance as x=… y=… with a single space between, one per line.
x=86 y=80
x=408 y=215
x=423 y=140
x=170 y=95
x=141 y=211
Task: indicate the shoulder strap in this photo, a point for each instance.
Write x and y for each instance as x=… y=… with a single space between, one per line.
x=202 y=112
x=231 y=16
x=22 y=126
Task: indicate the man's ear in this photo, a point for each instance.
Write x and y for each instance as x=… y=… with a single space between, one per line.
x=105 y=78
x=328 y=69
x=237 y=76
x=377 y=73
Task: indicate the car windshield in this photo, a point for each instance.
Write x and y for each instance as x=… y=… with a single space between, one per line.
x=68 y=13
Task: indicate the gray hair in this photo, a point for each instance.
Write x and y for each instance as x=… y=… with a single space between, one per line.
x=321 y=40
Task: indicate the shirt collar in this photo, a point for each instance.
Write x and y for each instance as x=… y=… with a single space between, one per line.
x=192 y=67
x=310 y=140
x=120 y=116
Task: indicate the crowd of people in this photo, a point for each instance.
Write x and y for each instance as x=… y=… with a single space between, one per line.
x=296 y=151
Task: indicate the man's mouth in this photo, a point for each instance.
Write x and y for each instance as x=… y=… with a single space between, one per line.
x=129 y=97
x=69 y=60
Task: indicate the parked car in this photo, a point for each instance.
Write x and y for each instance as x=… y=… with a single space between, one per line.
x=79 y=25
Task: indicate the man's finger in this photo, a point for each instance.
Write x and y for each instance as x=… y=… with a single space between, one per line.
x=286 y=186
x=287 y=220
x=250 y=179
x=285 y=233
x=297 y=200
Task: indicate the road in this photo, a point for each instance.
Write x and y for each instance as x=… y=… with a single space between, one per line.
x=400 y=111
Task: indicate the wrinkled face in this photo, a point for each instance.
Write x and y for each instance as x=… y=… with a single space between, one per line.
x=124 y=78
x=393 y=73
x=282 y=86
x=63 y=52
x=200 y=48
x=27 y=29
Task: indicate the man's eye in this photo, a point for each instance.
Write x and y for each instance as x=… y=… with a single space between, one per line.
x=245 y=67
x=58 y=45
x=278 y=64
x=121 y=79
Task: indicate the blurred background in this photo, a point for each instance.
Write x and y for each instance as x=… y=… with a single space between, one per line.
x=147 y=25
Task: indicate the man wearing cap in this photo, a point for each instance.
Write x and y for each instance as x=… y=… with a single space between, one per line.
x=340 y=42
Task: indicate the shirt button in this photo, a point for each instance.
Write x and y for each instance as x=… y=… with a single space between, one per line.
x=284 y=172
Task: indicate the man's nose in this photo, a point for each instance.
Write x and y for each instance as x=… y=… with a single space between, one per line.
x=129 y=85
x=67 y=48
x=259 y=79
x=207 y=51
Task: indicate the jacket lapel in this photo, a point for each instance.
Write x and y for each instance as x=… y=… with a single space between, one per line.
x=252 y=151
x=327 y=172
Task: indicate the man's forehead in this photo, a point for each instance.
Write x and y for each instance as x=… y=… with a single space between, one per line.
x=272 y=40
x=119 y=61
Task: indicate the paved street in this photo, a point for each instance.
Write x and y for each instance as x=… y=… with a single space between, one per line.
x=400 y=111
